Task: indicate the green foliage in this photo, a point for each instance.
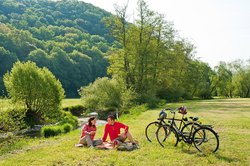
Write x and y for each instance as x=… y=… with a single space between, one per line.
x=12 y=120
x=106 y=94
x=67 y=117
x=135 y=111
x=11 y=142
x=76 y=110
x=51 y=131
x=153 y=60
x=31 y=30
x=241 y=79
x=67 y=127
x=36 y=89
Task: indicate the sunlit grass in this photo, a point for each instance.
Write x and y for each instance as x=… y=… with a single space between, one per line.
x=230 y=118
x=71 y=102
x=5 y=103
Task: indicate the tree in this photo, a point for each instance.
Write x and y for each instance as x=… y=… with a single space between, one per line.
x=222 y=80
x=106 y=94
x=37 y=90
x=241 y=78
x=6 y=61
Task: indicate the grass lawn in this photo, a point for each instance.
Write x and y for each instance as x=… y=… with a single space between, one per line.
x=5 y=103
x=71 y=102
x=230 y=118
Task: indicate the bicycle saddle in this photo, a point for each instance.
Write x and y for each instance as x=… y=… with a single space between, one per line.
x=194 y=118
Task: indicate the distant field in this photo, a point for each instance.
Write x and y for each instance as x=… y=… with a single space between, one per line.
x=71 y=102
x=5 y=104
x=230 y=117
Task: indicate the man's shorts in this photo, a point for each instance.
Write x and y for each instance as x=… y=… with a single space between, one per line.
x=120 y=139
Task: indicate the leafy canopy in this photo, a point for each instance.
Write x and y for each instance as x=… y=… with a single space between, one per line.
x=36 y=89
x=106 y=93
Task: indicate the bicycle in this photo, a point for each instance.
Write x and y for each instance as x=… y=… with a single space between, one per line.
x=152 y=127
x=150 y=130
x=204 y=138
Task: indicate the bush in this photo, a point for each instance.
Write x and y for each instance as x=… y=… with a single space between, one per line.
x=50 y=131
x=76 y=110
x=103 y=114
x=67 y=127
x=69 y=118
x=12 y=120
x=105 y=94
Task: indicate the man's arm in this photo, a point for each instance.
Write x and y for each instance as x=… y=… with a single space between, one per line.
x=105 y=133
x=125 y=127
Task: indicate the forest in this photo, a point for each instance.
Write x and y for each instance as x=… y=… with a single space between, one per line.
x=67 y=37
x=79 y=43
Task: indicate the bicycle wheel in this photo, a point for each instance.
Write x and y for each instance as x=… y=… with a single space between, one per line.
x=186 y=130
x=166 y=135
x=151 y=129
x=206 y=140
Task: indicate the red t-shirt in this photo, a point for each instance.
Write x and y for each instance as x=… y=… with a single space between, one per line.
x=113 y=130
x=86 y=129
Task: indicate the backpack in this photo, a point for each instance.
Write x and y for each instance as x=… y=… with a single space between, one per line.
x=127 y=146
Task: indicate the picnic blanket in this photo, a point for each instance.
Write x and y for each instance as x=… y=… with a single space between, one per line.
x=105 y=145
x=126 y=146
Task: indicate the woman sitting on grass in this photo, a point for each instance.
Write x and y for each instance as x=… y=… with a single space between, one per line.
x=88 y=134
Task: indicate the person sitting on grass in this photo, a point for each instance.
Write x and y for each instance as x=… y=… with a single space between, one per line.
x=112 y=128
x=88 y=134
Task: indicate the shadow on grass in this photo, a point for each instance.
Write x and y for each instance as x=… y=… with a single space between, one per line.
x=227 y=159
x=192 y=150
x=220 y=157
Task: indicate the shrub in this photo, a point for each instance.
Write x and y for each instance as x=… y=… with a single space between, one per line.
x=50 y=131
x=67 y=117
x=12 y=120
x=76 y=110
x=105 y=94
x=67 y=127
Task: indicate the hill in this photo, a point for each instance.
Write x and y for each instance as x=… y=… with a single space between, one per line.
x=67 y=36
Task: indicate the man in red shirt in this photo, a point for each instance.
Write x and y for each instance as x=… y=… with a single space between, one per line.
x=112 y=128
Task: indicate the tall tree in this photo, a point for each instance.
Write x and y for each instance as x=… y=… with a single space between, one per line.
x=37 y=90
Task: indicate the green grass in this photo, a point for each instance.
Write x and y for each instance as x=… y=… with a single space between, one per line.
x=230 y=118
x=71 y=102
x=5 y=103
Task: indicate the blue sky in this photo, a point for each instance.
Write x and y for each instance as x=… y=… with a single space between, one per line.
x=220 y=29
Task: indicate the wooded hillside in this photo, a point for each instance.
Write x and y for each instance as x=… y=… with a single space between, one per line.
x=67 y=37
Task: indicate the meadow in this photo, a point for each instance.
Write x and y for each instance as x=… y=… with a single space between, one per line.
x=230 y=118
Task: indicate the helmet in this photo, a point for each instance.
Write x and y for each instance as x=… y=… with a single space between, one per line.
x=162 y=114
x=182 y=110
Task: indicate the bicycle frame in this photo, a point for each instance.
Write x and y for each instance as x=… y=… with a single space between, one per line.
x=172 y=121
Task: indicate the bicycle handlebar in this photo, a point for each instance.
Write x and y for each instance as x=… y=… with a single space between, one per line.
x=171 y=110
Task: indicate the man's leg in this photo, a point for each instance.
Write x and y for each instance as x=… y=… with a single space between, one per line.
x=129 y=136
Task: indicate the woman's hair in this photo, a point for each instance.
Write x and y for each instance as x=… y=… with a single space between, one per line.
x=89 y=121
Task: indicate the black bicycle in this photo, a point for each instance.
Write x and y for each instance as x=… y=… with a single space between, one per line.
x=152 y=127
x=204 y=138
